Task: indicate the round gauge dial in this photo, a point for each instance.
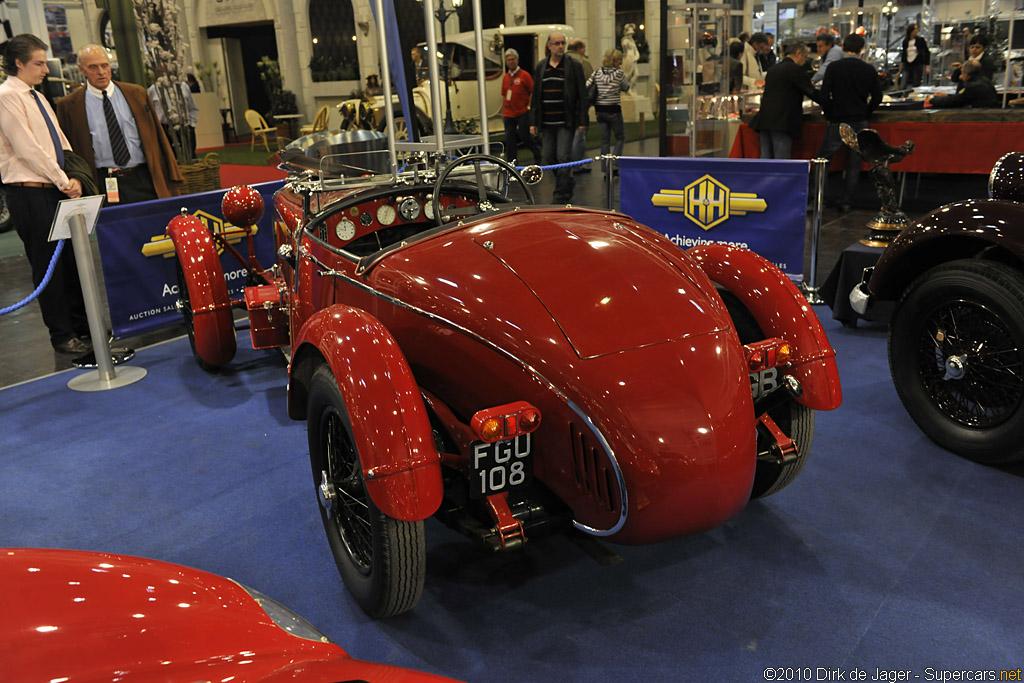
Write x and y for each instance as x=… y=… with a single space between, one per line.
x=409 y=209
x=428 y=208
x=365 y=218
x=345 y=230
x=385 y=214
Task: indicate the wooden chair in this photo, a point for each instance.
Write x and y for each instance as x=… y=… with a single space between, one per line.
x=259 y=127
x=319 y=123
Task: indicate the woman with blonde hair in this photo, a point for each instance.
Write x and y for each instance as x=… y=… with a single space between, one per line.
x=609 y=82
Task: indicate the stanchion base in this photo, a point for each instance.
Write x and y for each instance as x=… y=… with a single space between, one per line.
x=117 y=357
x=91 y=381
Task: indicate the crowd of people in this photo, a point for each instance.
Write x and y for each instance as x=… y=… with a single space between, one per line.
x=104 y=138
x=547 y=111
x=847 y=88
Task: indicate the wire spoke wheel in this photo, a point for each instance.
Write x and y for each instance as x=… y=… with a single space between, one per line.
x=382 y=560
x=351 y=514
x=971 y=365
x=956 y=353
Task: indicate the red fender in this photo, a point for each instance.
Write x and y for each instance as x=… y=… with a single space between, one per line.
x=401 y=465
x=212 y=319
x=781 y=311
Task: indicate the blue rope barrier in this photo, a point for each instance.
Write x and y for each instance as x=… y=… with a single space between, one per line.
x=42 y=285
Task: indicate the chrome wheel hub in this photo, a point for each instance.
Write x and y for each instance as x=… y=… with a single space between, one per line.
x=956 y=367
x=328 y=496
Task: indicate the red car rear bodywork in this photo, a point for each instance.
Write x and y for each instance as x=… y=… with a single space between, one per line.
x=621 y=341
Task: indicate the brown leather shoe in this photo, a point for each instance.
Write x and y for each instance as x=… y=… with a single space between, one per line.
x=73 y=346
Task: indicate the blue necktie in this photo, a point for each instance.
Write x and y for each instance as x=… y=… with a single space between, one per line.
x=53 y=131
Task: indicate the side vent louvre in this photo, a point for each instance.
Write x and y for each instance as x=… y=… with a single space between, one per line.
x=591 y=471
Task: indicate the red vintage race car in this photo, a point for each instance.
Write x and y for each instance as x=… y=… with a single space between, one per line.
x=510 y=368
x=82 y=616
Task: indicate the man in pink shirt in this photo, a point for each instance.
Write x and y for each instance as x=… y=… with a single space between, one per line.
x=516 y=90
x=32 y=150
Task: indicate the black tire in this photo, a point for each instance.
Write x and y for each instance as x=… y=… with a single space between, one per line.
x=956 y=354
x=794 y=419
x=186 y=314
x=381 y=560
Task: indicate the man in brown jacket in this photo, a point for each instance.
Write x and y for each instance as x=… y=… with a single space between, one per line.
x=114 y=127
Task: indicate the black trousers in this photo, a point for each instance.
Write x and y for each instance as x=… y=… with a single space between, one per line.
x=135 y=186
x=62 y=304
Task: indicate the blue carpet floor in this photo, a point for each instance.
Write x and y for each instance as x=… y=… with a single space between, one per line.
x=886 y=553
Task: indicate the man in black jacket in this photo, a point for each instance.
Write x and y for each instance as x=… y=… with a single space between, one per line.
x=977 y=92
x=781 y=117
x=559 y=109
x=850 y=91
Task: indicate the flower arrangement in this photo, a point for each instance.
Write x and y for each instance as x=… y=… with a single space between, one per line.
x=162 y=50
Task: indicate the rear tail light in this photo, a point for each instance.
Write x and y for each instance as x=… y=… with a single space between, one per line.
x=505 y=422
x=769 y=353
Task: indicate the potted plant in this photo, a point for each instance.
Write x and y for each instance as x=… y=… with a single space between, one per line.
x=281 y=101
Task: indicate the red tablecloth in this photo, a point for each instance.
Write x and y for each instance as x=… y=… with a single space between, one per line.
x=939 y=147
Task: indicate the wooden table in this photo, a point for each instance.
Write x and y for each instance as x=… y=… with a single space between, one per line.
x=293 y=123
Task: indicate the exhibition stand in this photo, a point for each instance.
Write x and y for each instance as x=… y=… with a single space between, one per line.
x=946 y=141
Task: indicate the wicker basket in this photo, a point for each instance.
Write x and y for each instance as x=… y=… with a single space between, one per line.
x=201 y=176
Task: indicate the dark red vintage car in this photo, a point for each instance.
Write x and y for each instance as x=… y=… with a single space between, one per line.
x=956 y=336
x=509 y=368
x=71 y=615
x=460 y=352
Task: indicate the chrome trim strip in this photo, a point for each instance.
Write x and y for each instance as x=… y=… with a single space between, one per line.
x=623 y=494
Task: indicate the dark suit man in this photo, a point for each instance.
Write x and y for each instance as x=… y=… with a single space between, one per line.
x=978 y=91
x=559 y=110
x=781 y=117
x=850 y=91
x=133 y=159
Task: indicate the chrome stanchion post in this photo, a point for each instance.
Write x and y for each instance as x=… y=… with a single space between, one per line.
x=820 y=167
x=104 y=377
x=609 y=179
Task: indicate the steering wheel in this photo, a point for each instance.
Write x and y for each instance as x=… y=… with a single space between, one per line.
x=483 y=194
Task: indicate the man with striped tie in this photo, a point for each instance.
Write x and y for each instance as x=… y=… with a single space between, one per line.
x=32 y=166
x=114 y=126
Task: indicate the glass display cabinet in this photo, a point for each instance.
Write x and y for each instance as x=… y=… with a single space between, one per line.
x=701 y=115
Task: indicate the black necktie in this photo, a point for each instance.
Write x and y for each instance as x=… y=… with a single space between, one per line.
x=53 y=131
x=117 y=143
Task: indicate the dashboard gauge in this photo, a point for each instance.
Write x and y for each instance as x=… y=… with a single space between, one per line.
x=385 y=214
x=354 y=211
x=428 y=208
x=409 y=209
x=365 y=218
x=345 y=230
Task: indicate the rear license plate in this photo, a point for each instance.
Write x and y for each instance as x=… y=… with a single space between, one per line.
x=499 y=466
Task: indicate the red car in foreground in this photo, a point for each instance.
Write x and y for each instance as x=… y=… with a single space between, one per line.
x=81 y=616
x=510 y=368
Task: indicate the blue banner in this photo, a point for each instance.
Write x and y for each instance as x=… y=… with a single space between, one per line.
x=760 y=205
x=138 y=258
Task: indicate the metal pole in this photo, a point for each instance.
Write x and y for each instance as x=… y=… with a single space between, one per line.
x=480 y=81
x=449 y=125
x=821 y=173
x=389 y=108
x=606 y=160
x=435 y=84
x=104 y=377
